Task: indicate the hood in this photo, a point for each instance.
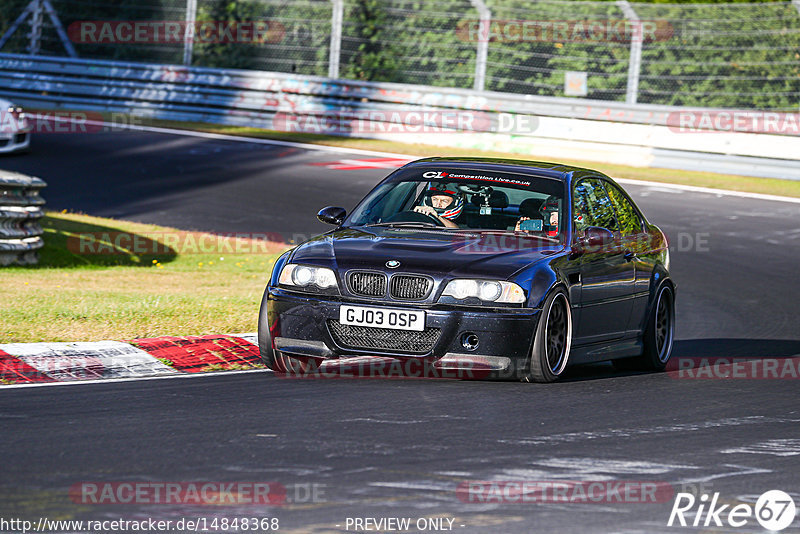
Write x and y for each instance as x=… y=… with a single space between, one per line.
x=494 y=255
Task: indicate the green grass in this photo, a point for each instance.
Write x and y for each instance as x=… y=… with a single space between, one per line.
x=76 y=296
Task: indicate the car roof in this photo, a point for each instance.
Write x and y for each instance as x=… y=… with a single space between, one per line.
x=543 y=169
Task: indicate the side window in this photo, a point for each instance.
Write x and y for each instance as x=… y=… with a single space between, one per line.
x=629 y=221
x=580 y=207
x=592 y=206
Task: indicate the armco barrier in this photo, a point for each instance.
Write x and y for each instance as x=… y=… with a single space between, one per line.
x=20 y=212
x=205 y=91
x=634 y=134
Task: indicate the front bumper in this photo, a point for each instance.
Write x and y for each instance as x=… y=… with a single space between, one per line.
x=12 y=142
x=301 y=325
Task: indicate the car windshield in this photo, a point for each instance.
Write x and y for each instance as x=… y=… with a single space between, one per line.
x=452 y=200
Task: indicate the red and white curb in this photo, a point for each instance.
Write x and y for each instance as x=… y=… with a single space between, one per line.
x=358 y=164
x=24 y=363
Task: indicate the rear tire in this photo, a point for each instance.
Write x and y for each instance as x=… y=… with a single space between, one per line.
x=552 y=341
x=658 y=335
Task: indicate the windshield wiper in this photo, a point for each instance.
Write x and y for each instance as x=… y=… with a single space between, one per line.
x=409 y=224
x=525 y=234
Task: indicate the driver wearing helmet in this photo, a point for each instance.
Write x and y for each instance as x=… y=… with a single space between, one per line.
x=443 y=205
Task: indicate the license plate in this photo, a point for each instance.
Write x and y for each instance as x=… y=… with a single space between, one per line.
x=382 y=318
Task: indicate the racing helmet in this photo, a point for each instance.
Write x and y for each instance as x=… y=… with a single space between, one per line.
x=452 y=210
x=549 y=206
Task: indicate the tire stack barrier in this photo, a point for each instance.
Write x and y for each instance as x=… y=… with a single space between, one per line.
x=20 y=213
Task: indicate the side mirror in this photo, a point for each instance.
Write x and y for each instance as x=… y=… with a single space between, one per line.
x=594 y=238
x=332 y=215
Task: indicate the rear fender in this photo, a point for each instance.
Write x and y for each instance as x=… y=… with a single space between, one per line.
x=659 y=277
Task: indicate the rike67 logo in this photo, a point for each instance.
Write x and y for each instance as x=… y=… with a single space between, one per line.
x=774 y=510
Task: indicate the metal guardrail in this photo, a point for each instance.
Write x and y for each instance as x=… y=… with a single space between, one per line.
x=20 y=213
x=204 y=92
x=611 y=132
x=721 y=54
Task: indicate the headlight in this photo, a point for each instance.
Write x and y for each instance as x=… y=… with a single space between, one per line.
x=485 y=290
x=306 y=275
x=16 y=112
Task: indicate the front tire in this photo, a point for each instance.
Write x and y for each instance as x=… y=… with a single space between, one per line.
x=265 y=349
x=552 y=341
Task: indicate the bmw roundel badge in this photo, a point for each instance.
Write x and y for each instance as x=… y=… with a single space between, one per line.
x=393 y=264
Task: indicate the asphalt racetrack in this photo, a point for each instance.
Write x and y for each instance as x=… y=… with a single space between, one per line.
x=401 y=448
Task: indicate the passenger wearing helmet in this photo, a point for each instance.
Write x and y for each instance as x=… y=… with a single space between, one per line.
x=550 y=210
x=443 y=205
x=549 y=214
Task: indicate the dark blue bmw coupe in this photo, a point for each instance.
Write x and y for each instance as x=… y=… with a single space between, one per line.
x=516 y=268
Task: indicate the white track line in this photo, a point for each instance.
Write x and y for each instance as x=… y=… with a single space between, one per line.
x=131 y=379
x=342 y=150
x=229 y=137
x=709 y=190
